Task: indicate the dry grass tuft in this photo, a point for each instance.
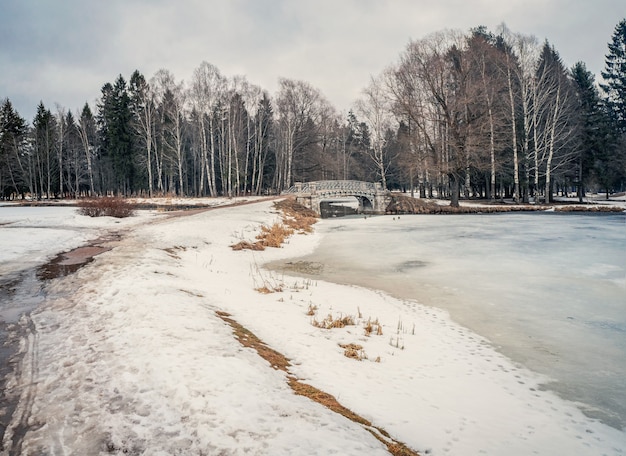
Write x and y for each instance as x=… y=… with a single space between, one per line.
x=331 y=323
x=373 y=327
x=312 y=310
x=274 y=236
x=245 y=245
x=353 y=351
x=267 y=290
x=106 y=207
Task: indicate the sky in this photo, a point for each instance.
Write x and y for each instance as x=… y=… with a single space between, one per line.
x=63 y=52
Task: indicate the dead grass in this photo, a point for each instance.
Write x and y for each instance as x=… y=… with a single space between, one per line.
x=296 y=219
x=274 y=236
x=331 y=322
x=373 y=327
x=106 y=207
x=576 y=208
x=401 y=204
x=245 y=245
x=353 y=351
x=279 y=362
x=265 y=289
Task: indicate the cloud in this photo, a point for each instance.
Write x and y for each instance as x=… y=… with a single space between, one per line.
x=65 y=51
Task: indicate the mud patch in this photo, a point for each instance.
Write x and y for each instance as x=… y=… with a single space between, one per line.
x=67 y=263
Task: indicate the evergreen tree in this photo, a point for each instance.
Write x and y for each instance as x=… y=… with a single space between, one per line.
x=13 y=133
x=87 y=134
x=595 y=158
x=614 y=75
x=265 y=161
x=114 y=121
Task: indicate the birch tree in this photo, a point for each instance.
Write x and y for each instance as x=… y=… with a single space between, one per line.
x=44 y=142
x=375 y=109
x=144 y=119
x=171 y=98
x=553 y=126
x=298 y=105
x=207 y=89
x=61 y=138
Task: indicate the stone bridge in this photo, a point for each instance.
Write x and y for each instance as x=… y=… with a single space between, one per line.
x=372 y=197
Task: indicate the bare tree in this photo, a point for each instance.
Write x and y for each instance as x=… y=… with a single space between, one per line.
x=207 y=89
x=144 y=113
x=171 y=97
x=375 y=108
x=298 y=106
x=61 y=137
x=520 y=54
x=554 y=126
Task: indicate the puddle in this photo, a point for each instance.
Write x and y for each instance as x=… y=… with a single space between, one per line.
x=67 y=263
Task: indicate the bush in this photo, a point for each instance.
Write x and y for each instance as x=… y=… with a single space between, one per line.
x=106 y=207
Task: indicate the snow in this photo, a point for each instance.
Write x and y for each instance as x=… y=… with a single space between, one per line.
x=130 y=357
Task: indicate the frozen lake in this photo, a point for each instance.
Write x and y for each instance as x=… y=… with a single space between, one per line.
x=547 y=289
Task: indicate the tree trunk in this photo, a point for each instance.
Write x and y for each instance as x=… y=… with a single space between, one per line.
x=454 y=197
x=516 y=191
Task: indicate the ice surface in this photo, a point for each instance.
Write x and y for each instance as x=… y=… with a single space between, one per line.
x=129 y=357
x=546 y=289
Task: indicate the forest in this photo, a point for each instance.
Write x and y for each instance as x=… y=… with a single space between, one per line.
x=475 y=114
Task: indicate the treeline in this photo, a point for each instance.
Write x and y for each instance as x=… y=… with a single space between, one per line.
x=476 y=114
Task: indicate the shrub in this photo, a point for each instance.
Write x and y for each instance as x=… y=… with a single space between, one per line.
x=106 y=207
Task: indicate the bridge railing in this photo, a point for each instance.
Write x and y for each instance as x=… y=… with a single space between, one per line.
x=334 y=185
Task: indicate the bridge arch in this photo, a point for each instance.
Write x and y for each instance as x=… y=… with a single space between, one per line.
x=372 y=197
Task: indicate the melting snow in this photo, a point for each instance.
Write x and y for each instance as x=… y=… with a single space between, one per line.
x=128 y=356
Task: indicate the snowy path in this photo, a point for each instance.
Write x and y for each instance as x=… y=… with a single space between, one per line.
x=129 y=357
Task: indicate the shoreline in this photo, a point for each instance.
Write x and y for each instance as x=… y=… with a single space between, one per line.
x=144 y=314
x=313 y=266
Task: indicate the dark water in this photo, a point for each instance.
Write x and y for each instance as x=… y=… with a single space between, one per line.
x=549 y=290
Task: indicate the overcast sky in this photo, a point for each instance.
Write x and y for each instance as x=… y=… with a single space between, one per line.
x=63 y=51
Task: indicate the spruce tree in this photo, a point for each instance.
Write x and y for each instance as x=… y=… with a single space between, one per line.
x=596 y=159
x=114 y=122
x=614 y=75
x=13 y=166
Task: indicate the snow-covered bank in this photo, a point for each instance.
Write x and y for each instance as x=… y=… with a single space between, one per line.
x=129 y=356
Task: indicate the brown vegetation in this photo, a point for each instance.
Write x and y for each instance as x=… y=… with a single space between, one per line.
x=330 y=323
x=296 y=218
x=106 y=207
x=576 y=208
x=279 y=362
x=353 y=351
x=401 y=204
